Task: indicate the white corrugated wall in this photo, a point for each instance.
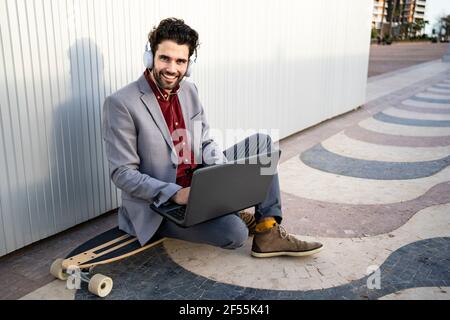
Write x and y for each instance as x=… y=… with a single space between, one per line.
x=283 y=65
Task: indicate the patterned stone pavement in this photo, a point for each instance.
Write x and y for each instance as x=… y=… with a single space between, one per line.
x=376 y=192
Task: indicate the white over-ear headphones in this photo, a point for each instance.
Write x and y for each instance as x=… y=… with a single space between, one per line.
x=148 y=60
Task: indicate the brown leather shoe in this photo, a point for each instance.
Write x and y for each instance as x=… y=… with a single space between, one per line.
x=249 y=220
x=277 y=242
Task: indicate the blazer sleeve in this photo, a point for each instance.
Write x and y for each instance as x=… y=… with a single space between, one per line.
x=120 y=136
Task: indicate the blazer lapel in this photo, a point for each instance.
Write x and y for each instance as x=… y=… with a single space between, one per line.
x=184 y=108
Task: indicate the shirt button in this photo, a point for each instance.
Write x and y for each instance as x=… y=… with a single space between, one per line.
x=184 y=143
x=176 y=123
x=186 y=160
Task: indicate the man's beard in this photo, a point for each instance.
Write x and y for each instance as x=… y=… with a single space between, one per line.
x=163 y=83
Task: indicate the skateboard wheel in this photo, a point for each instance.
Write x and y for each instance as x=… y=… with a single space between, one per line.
x=57 y=270
x=100 y=285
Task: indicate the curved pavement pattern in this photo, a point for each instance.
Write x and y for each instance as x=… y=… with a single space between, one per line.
x=300 y=180
x=433 y=95
x=414 y=103
x=391 y=171
x=415 y=255
x=319 y=158
x=421 y=109
x=436 y=293
x=347 y=146
x=168 y=280
x=316 y=218
x=431 y=100
x=442 y=86
x=376 y=194
x=439 y=90
x=377 y=125
x=362 y=134
x=442 y=114
x=381 y=116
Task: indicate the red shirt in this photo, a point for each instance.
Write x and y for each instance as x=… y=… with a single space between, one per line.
x=171 y=110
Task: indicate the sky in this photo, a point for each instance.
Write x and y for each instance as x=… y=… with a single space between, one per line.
x=433 y=10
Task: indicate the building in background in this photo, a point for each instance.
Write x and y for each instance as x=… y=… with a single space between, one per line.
x=398 y=18
x=413 y=11
x=379 y=14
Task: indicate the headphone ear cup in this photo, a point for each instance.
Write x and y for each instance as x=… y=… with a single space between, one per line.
x=190 y=68
x=148 y=59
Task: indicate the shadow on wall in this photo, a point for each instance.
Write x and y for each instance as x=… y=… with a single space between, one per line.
x=73 y=184
x=78 y=125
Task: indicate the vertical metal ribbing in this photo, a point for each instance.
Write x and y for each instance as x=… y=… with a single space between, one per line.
x=278 y=65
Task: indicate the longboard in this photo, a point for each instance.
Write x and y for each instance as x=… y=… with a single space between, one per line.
x=107 y=247
x=110 y=246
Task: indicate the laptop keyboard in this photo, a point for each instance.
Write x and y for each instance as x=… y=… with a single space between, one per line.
x=178 y=213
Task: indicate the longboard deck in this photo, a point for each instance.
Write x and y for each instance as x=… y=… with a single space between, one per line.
x=110 y=246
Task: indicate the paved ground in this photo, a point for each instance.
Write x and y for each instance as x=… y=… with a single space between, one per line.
x=373 y=185
x=401 y=55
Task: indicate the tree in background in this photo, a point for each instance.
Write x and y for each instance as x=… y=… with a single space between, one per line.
x=393 y=13
x=382 y=19
x=403 y=21
x=386 y=35
x=418 y=26
x=445 y=26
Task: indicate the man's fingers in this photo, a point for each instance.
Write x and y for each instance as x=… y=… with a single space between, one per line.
x=186 y=195
x=182 y=196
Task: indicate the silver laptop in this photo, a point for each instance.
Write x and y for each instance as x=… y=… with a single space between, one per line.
x=223 y=189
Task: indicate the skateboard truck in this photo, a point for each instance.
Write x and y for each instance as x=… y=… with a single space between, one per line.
x=98 y=284
x=110 y=246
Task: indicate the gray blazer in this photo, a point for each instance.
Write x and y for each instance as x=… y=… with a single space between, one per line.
x=140 y=151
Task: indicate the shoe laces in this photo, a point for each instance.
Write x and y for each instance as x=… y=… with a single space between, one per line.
x=284 y=234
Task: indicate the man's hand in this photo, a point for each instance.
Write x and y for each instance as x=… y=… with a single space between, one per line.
x=181 y=197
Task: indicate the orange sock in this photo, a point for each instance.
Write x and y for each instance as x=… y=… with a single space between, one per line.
x=265 y=224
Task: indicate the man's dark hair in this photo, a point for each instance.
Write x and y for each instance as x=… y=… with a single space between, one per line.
x=176 y=30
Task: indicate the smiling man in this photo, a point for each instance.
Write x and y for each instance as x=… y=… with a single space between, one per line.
x=166 y=72
x=148 y=133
